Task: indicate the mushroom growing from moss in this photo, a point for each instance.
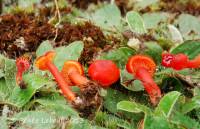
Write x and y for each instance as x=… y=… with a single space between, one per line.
x=73 y=72
x=45 y=63
x=179 y=61
x=22 y=64
x=143 y=69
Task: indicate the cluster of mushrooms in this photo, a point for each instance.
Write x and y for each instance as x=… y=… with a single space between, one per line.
x=103 y=73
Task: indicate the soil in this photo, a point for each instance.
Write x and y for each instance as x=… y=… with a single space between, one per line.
x=91 y=99
x=22 y=33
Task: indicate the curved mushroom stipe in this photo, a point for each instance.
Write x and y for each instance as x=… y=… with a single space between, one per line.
x=143 y=68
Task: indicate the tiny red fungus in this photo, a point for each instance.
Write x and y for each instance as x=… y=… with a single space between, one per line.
x=104 y=71
x=143 y=69
x=179 y=61
x=22 y=64
x=73 y=70
x=45 y=63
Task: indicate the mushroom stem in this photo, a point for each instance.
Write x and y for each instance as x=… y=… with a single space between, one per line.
x=61 y=82
x=18 y=77
x=77 y=79
x=195 y=63
x=150 y=86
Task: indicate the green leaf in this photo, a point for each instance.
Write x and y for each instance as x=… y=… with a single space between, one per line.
x=142 y=4
x=152 y=20
x=3 y=90
x=132 y=107
x=111 y=120
x=58 y=107
x=112 y=98
x=135 y=22
x=154 y=50
x=190 y=48
x=3 y=122
x=79 y=123
x=194 y=103
x=187 y=26
x=119 y=56
x=35 y=119
x=126 y=81
x=10 y=70
x=44 y=47
x=71 y=52
x=107 y=16
x=184 y=121
x=167 y=103
x=20 y=97
x=155 y=122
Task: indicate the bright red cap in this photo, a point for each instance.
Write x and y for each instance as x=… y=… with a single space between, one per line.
x=167 y=59
x=104 y=71
x=140 y=61
x=22 y=64
x=180 y=61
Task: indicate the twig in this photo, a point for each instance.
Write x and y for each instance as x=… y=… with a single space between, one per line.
x=57 y=13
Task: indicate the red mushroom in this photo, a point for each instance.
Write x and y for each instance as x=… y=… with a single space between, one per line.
x=22 y=64
x=45 y=63
x=143 y=69
x=104 y=71
x=179 y=61
x=73 y=72
x=89 y=94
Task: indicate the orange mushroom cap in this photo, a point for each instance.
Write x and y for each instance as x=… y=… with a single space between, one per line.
x=41 y=61
x=141 y=61
x=71 y=66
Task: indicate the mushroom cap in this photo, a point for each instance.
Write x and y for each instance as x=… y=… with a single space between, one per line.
x=40 y=62
x=104 y=71
x=22 y=64
x=71 y=66
x=141 y=61
x=167 y=59
x=180 y=61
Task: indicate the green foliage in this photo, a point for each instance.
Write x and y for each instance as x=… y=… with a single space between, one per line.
x=112 y=98
x=154 y=50
x=35 y=119
x=107 y=16
x=20 y=97
x=126 y=103
x=190 y=48
x=71 y=52
x=167 y=103
x=44 y=47
x=187 y=26
x=119 y=56
x=135 y=22
x=127 y=81
x=152 y=20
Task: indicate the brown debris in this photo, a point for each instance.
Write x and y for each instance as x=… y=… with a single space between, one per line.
x=91 y=99
x=21 y=33
x=190 y=7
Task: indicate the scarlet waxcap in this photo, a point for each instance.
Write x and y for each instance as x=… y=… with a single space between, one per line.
x=22 y=64
x=140 y=61
x=104 y=71
x=167 y=59
x=40 y=62
x=71 y=66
